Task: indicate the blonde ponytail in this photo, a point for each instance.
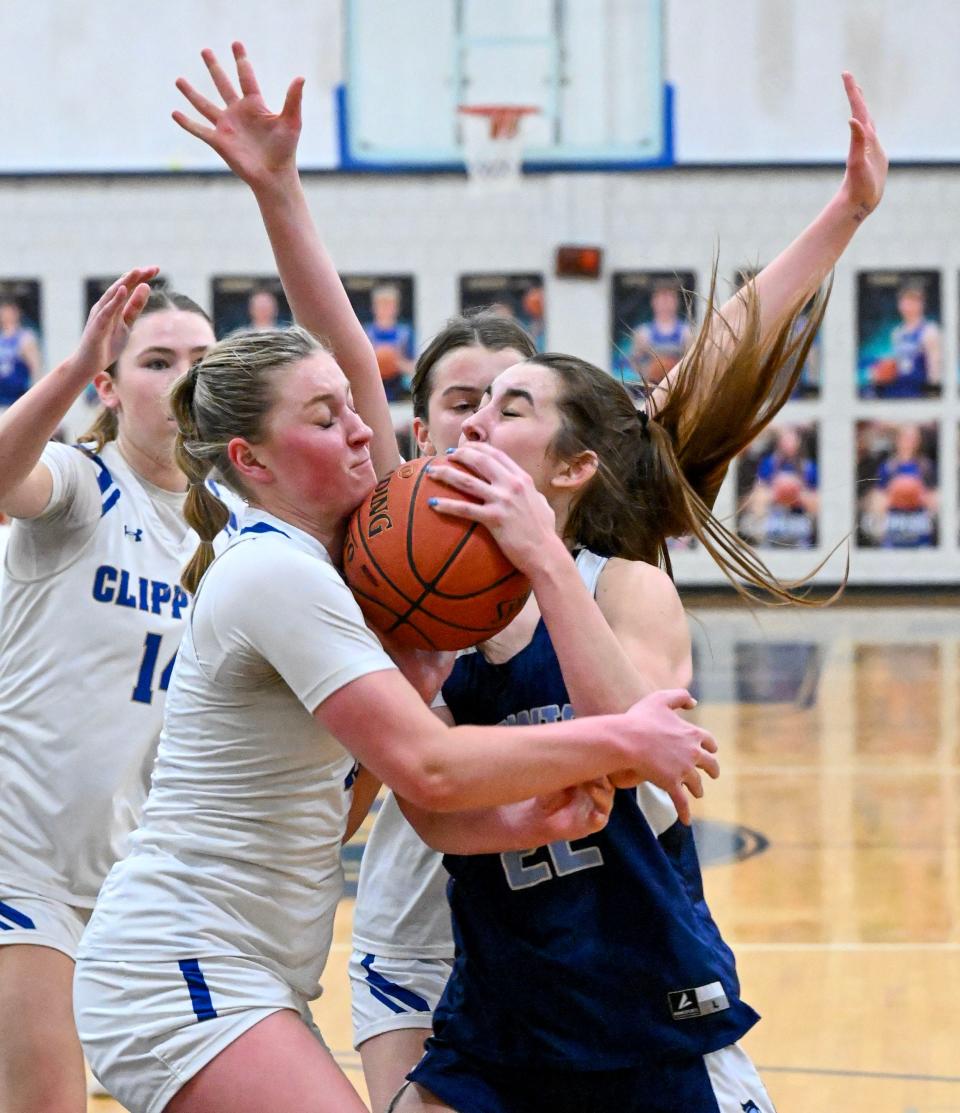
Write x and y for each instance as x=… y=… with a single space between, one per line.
x=203 y=511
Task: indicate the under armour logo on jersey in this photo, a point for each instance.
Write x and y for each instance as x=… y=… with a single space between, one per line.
x=750 y=1107
x=136 y=534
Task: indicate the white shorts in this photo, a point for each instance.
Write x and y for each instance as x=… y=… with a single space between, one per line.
x=148 y=1028
x=389 y=994
x=40 y=921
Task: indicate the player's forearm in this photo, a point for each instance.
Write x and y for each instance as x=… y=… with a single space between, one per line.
x=781 y=287
x=795 y=274
x=467 y=767
x=480 y=830
x=320 y=303
x=27 y=426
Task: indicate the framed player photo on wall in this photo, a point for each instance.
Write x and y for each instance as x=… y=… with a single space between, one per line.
x=899 y=339
x=808 y=384
x=778 y=497
x=246 y=302
x=384 y=305
x=652 y=327
x=20 y=337
x=95 y=288
x=897 y=484
x=517 y=296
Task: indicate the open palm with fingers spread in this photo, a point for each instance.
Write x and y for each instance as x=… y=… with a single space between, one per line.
x=253 y=141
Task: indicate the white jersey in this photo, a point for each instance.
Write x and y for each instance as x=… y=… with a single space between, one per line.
x=238 y=853
x=92 y=614
x=401 y=909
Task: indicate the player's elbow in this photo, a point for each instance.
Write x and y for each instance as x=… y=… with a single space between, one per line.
x=427 y=778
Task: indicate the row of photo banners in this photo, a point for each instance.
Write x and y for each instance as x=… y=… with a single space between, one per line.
x=899 y=349
x=778 y=480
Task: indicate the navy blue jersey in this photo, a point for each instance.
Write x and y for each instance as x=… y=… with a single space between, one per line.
x=911 y=357
x=592 y=955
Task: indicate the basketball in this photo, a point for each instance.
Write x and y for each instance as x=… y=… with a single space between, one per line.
x=429 y=580
x=906 y=493
x=884 y=371
x=787 y=489
x=387 y=361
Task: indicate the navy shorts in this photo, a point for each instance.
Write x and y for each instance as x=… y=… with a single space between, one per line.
x=724 y=1081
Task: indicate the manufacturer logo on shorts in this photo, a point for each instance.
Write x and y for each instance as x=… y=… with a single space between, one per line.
x=750 y=1107
x=701 y=1001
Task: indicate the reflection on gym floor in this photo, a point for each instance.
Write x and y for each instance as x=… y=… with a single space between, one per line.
x=831 y=847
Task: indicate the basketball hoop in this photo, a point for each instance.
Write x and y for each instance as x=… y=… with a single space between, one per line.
x=493 y=144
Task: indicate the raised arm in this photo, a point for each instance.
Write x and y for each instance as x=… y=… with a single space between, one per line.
x=27 y=426
x=795 y=274
x=260 y=147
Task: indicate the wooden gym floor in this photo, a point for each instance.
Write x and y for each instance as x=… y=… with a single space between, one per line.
x=831 y=850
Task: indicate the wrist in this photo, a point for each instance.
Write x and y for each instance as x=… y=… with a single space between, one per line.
x=847 y=209
x=74 y=372
x=550 y=563
x=620 y=744
x=273 y=186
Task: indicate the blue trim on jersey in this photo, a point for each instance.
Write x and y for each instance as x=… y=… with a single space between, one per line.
x=350 y=778
x=18 y=918
x=199 y=993
x=264 y=527
x=110 y=502
x=104 y=478
x=377 y=982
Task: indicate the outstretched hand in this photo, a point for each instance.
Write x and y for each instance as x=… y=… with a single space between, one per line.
x=110 y=320
x=253 y=141
x=867 y=162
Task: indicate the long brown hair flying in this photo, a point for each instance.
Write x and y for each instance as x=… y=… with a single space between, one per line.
x=659 y=473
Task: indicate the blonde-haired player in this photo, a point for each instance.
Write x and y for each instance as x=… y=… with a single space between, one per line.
x=92 y=614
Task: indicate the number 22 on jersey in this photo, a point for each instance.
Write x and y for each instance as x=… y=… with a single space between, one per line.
x=564 y=860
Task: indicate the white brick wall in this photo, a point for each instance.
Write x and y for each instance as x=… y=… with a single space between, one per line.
x=62 y=230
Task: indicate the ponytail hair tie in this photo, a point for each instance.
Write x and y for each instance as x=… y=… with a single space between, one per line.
x=644 y=419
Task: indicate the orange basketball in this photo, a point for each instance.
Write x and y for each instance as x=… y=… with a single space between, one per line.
x=884 y=371
x=787 y=489
x=388 y=361
x=906 y=492
x=429 y=580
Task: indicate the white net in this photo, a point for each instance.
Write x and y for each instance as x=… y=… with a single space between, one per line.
x=493 y=146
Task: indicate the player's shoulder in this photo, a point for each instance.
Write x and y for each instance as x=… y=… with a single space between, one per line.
x=636 y=585
x=79 y=461
x=265 y=568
